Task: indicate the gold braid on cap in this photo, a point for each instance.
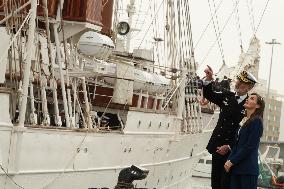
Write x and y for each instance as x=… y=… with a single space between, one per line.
x=243 y=76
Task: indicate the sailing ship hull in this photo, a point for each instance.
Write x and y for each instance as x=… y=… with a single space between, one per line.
x=86 y=159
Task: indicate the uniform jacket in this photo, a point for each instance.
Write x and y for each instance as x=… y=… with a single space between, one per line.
x=244 y=155
x=231 y=113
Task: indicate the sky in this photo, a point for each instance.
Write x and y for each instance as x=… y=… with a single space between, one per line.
x=249 y=12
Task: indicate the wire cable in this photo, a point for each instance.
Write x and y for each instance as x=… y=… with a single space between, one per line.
x=227 y=21
x=19 y=186
x=205 y=29
x=217 y=30
x=238 y=25
x=260 y=20
x=151 y=24
x=250 y=11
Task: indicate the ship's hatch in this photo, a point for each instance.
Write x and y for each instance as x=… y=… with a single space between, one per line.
x=108 y=120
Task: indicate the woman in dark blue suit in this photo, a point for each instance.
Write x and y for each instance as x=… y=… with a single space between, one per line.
x=243 y=160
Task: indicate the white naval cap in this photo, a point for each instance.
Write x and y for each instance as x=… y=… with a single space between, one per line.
x=247 y=77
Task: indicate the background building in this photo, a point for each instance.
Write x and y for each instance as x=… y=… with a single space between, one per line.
x=273 y=110
x=281 y=135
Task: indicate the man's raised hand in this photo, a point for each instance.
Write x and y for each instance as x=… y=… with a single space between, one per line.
x=209 y=73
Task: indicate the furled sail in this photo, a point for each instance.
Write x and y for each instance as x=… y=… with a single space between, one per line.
x=247 y=61
x=250 y=60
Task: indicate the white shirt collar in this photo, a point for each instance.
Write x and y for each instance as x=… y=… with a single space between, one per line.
x=241 y=97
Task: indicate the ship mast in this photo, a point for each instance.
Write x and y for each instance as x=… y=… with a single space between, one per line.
x=131 y=11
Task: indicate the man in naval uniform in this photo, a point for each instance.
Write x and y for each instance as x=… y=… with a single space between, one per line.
x=231 y=113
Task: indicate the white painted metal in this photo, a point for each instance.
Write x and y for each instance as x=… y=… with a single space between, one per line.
x=75 y=115
x=5 y=119
x=69 y=100
x=29 y=47
x=59 y=61
x=95 y=44
x=84 y=160
x=181 y=93
x=53 y=83
x=4 y=38
x=58 y=120
x=142 y=80
x=146 y=54
x=33 y=115
x=123 y=87
x=87 y=105
x=46 y=118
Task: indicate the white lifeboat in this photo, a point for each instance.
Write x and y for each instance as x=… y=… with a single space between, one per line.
x=95 y=44
x=143 y=80
x=151 y=82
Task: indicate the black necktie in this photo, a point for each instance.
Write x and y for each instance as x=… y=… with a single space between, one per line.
x=237 y=97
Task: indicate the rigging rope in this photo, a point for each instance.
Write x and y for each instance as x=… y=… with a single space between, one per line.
x=227 y=21
x=146 y=12
x=6 y=173
x=263 y=12
x=150 y=24
x=251 y=15
x=217 y=30
x=155 y=33
x=139 y=11
x=238 y=25
x=189 y=30
x=205 y=29
x=180 y=35
x=15 y=37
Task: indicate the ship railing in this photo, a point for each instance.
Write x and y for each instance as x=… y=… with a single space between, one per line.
x=146 y=101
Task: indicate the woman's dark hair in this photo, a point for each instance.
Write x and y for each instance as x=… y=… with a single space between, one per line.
x=258 y=111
